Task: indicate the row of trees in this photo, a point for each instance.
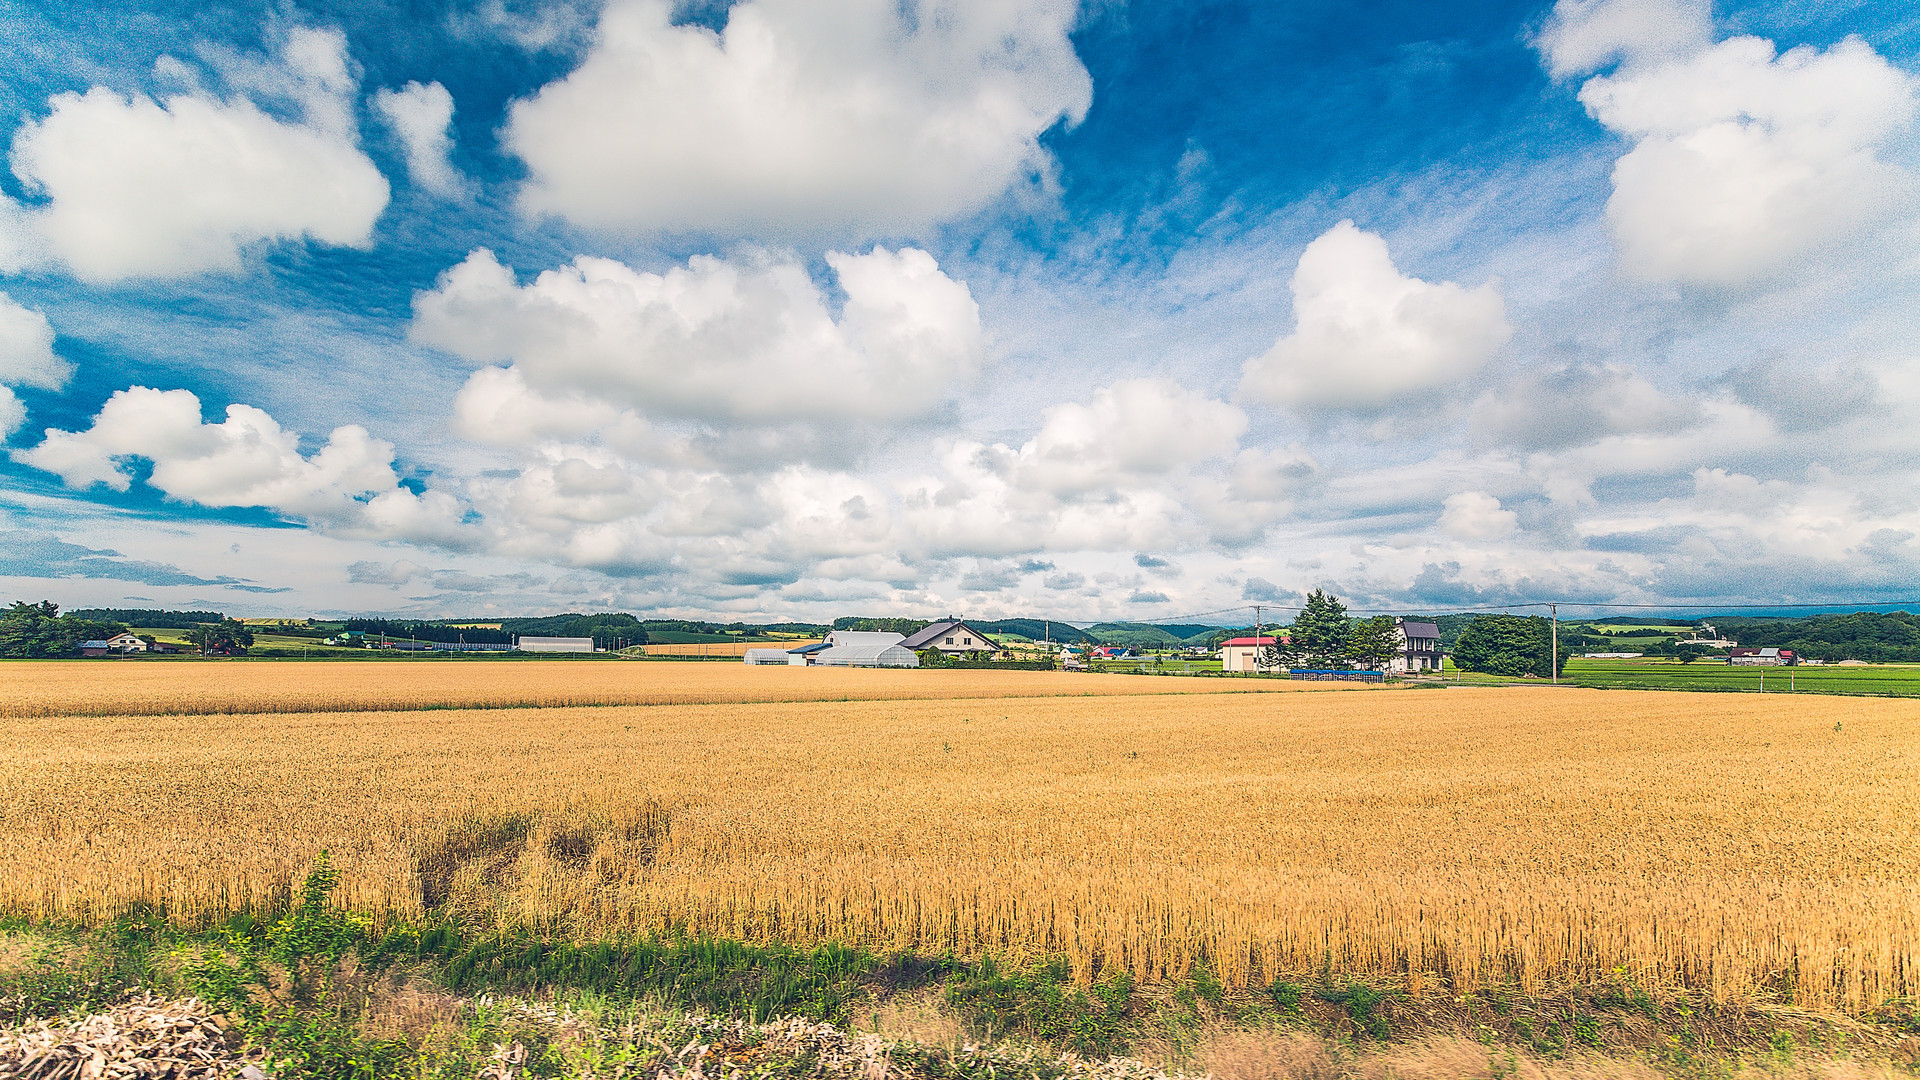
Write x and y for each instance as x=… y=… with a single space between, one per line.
x=39 y=631
x=1508 y=645
x=1325 y=636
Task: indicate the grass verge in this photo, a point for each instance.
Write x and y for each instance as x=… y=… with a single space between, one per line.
x=317 y=992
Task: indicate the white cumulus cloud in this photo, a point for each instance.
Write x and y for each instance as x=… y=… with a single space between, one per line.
x=246 y=460
x=26 y=349
x=26 y=359
x=1366 y=334
x=1476 y=515
x=1130 y=430
x=863 y=115
x=421 y=116
x=135 y=187
x=1586 y=35
x=1744 y=161
x=730 y=340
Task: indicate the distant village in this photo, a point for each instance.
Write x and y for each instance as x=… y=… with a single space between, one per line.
x=1375 y=648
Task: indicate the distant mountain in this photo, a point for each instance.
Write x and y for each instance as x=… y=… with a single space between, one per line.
x=1036 y=629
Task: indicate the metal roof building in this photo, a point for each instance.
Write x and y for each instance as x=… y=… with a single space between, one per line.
x=554 y=644
x=867 y=656
x=843 y=648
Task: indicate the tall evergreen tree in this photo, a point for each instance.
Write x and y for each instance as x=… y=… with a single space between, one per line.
x=1321 y=631
x=1372 y=643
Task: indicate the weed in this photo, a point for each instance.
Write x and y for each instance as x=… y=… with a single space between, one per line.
x=1043 y=1002
x=1362 y=1003
x=1286 y=995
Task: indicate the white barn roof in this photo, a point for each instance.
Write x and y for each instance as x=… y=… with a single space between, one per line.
x=863 y=638
x=889 y=655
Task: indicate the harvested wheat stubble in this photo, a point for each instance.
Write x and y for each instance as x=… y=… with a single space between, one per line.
x=146 y=1038
x=1734 y=845
x=167 y=688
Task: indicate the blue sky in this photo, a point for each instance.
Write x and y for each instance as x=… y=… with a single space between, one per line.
x=782 y=309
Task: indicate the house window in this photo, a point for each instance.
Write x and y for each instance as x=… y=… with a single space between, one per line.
x=966 y=641
x=949 y=641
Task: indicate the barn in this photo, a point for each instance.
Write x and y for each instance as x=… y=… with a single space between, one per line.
x=843 y=648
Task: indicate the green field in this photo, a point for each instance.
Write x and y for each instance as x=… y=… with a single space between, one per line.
x=1663 y=674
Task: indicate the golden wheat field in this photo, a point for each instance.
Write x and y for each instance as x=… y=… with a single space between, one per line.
x=131 y=688
x=1748 y=846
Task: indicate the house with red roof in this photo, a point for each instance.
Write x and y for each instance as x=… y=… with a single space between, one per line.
x=1243 y=653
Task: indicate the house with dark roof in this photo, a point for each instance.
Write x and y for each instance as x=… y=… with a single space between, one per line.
x=1419 y=647
x=952 y=637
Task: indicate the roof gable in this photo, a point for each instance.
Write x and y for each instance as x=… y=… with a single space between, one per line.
x=927 y=637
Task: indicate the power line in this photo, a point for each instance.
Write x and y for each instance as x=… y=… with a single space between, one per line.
x=1704 y=608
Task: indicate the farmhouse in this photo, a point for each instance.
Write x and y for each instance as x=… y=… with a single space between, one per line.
x=952 y=637
x=126 y=643
x=1760 y=657
x=1243 y=653
x=96 y=647
x=1419 y=647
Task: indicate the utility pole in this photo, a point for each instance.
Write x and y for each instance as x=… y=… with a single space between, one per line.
x=1555 y=658
x=1259 y=655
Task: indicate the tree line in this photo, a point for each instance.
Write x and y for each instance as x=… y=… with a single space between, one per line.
x=1323 y=636
x=40 y=632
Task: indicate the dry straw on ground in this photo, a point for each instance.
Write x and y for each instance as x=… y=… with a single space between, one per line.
x=1455 y=839
x=145 y=1038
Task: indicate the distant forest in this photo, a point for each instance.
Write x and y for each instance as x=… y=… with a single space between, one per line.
x=1874 y=636
x=151 y=618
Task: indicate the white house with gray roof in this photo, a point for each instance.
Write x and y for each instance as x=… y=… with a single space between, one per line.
x=952 y=637
x=1419 y=647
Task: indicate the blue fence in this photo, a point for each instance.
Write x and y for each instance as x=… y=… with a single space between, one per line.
x=1312 y=675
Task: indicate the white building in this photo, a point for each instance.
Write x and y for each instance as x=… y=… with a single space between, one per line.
x=843 y=648
x=126 y=643
x=554 y=644
x=1419 y=648
x=952 y=637
x=1243 y=654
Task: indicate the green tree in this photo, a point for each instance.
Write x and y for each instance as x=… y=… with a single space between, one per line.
x=1507 y=645
x=230 y=634
x=39 y=630
x=1321 y=631
x=1373 y=643
x=1282 y=655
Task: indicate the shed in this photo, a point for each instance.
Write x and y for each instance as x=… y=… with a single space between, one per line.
x=856 y=648
x=867 y=656
x=766 y=658
x=554 y=644
x=1243 y=653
